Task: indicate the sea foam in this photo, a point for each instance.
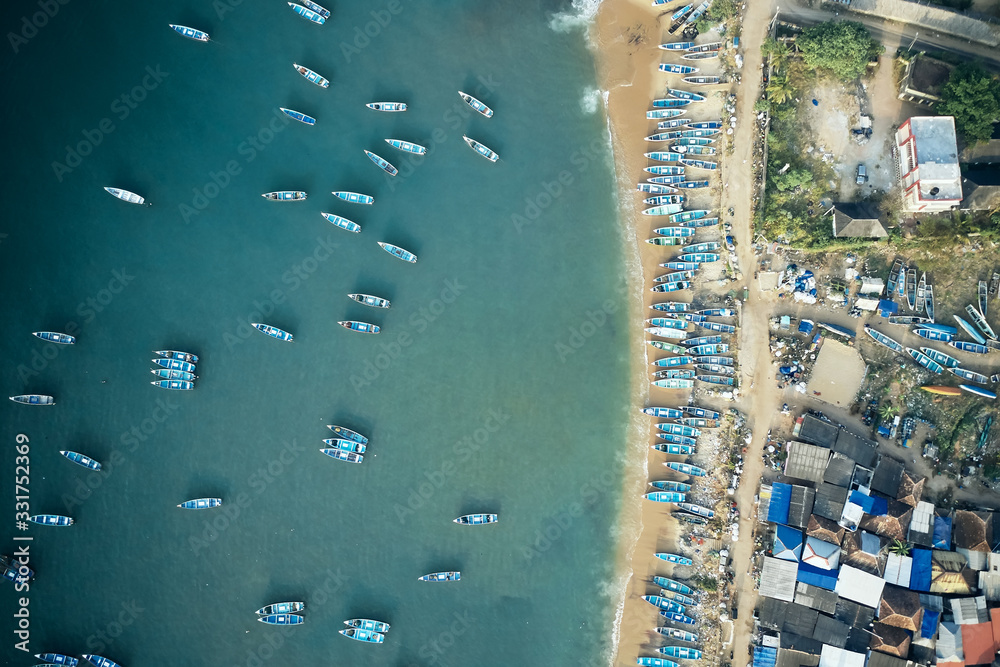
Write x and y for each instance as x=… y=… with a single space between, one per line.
x=579 y=15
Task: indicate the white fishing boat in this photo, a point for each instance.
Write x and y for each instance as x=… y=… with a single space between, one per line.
x=481 y=149
x=190 y=33
x=406 y=146
x=312 y=76
x=476 y=104
x=391 y=107
x=125 y=195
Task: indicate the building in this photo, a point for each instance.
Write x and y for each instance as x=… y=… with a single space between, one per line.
x=981 y=186
x=928 y=164
x=861 y=220
x=923 y=80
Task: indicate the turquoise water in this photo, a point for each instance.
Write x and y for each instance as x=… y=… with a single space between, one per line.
x=499 y=381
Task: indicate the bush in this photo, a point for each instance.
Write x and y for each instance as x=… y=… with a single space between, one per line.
x=971 y=96
x=844 y=48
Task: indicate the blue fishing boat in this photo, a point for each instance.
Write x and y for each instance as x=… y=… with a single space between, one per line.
x=360 y=635
x=174 y=354
x=659 y=114
x=282 y=619
x=680 y=652
x=667 y=322
x=674 y=449
x=389 y=107
x=370 y=301
x=671 y=287
x=175 y=364
x=925 y=361
x=945 y=360
x=978 y=391
x=971 y=376
x=685 y=469
x=711 y=359
x=688 y=151
x=667 y=332
x=668 y=180
x=670 y=103
x=285 y=195
x=700 y=257
x=665 y=604
x=691 y=141
x=664 y=136
x=672 y=362
x=677 y=618
x=677 y=69
x=836 y=328
x=406 y=146
x=680 y=232
x=360 y=327
x=679 y=429
x=883 y=340
x=441 y=576
x=703 y=340
x=98 y=660
x=663 y=241
x=643 y=661
x=700 y=222
x=298 y=115
x=662 y=413
x=980 y=321
x=697 y=510
x=680 y=374
x=672 y=584
x=80 y=459
x=663 y=156
x=34 y=399
x=482 y=149
x=347 y=434
x=673 y=383
x=354 y=197
x=311 y=76
x=367 y=624
x=682 y=635
x=974 y=348
x=51 y=520
x=664 y=170
x=933 y=334
x=344 y=445
x=671 y=306
x=678 y=46
x=382 y=163
x=665 y=497
x=206 y=504
x=691 y=184
x=281 y=608
x=655 y=188
x=667 y=209
x=709 y=350
x=273 y=332
x=674 y=558
x=685 y=95
x=681 y=266
x=178 y=385
x=939 y=327
x=717 y=379
x=700 y=164
x=703 y=247
x=715 y=369
x=476 y=104
x=670 y=124
x=125 y=195
x=476 y=519
x=57 y=659
x=664 y=485
x=703 y=80
x=970 y=330
x=699 y=422
x=341 y=455
x=705 y=124
x=341 y=222
x=717 y=326
x=663 y=200
x=675 y=277
x=696 y=411
x=398 y=252
x=190 y=33
x=55 y=337
x=672 y=439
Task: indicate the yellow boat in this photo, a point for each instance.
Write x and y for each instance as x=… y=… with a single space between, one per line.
x=942 y=390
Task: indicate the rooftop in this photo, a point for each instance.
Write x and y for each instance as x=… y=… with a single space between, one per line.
x=806 y=461
x=839 y=471
x=887 y=477
x=911 y=489
x=830 y=501
x=900 y=608
x=816 y=598
x=818 y=432
x=861 y=220
x=860 y=586
x=937 y=157
x=777 y=579
x=893 y=525
x=825 y=529
x=889 y=639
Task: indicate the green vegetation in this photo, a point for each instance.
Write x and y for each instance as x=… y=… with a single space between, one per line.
x=900 y=548
x=723 y=10
x=972 y=96
x=843 y=48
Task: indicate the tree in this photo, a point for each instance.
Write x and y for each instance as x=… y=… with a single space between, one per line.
x=780 y=89
x=842 y=47
x=971 y=96
x=887 y=411
x=777 y=51
x=722 y=10
x=900 y=548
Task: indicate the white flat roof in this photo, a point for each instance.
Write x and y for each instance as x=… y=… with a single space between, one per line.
x=859 y=586
x=831 y=656
x=937 y=157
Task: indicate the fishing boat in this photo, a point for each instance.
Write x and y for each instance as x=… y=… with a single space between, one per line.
x=685 y=469
x=311 y=76
x=341 y=455
x=667 y=322
x=360 y=327
x=715 y=369
x=481 y=149
x=978 y=391
x=281 y=608
x=891 y=281
x=51 y=520
x=694 y=150
x=166 y=374
x=701 y=132
x=994 y=283
x=663 y=413
x=674 y=383
x=933 y=334
x=654 y=189
x=665 y=485
x=441 y=576
x=285 y=195
x=909 y=319
x=664 y=497
x=700 y=164
x=342 y=223
x=398 y=252
x=663 y=200
x=663 y=136
x=664 y=240
x=680 y=652
x=703 y=340
x=80 y=459
x=675 y=232
x=974 y=348
x=690 y=216
x=676 y=277
x=667 y=332
x=670 y=124
x=717 y=379
x=177 y=385
x=704 y=124
x=354 y=197
x=369 y=300
x=675 y=448
x=175 y=354
x=925 y=361
x=344 y=445
x=699 y=257
x=382 y=163
x=678 y=69
x=319 y=9
x=699 y=422
x=677 y=439
x=665 y=604
x=668 y=209
x=983 y=292
x=692 y=184
x=344 y=432
x=942 y=390
x=298 y=115
x=929 y=302
x=921 y=289
x=682 y=635
x=55 y=337
x=360 y=635
x=719 y=361
x=273 y=332
x=209 y=503
x=944 y=328
x=98 y=660
x=674 y=558
x=477 y=519
x=175 y=364
x=282 y=619
x=389 y=107
x=665 y=170
x=190 y=33
x=671 y=287
x=944 y=359
x=703 y=55
x=367 y=624
x=663 y=156
x=883 y=340
x=697 y=510
x=702 y=247
x=665 y=112
x=644 y=661
x=674 y=616
x=978 y=337
x=672 y=585
x=476 y=104
x=679 y=429
x=57 y=659
x=34 y=399
x=681 y=266
x=971 y=376
x=692 y=141
x=685 y=95
x=708 y=350
x=678 y=46
x=901 y=281
x=980 y=321
x=406 y=146
x=703 y=80
x=911 y=288
x=717 y=312
x=993 y=345
x=307 y=13
x=125 y=195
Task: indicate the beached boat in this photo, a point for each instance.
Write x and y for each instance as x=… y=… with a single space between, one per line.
x=663 y=136
x=354 y=197
x=381 y=163
x=700 y=132
x=273 y=332
x=911 y=288
x=978 y=337
x=672 y=615
x=664 y=240
x=699 y=257
x=644 y=661
x=311 y=76
x=983 y=293
x=673 y=383
x=360 y=635
x=929 y=302
x=893 y=278
x=125 y=195
x=663 y=200
x=691 y=216
x=708 y=246
x=925 y=361
x=663 y=156
x=680 y=652
x=933 y=334
x=883 y=340
x=664 y=604
x=481 y=149
x=175 y=364
x=665 y=112
x=663 y=413
x=699 y=422
x=286 y=195
x=665 y=170
x=369 y=300
x=341 y=455
x=708 y=350
x=307 y=13
x=697 y=510
x=80 y=459
x=701 y=48
x=406 y=146
x=476 y=104
x=691 y=141
x=678 y=69
x=282 y=619
x=367 y=624
x=703 y=80
x=654 y=189
x=441 y=576
x=298 y=115
x=389 y=107
x=51 y=520
x=671 y=287
x=678 y=46
x=344 y=445
x=691 y=184
x=908 y=319
x=665 y=496
x=944 y=359
x=175 y=354
x=942 y=390
x=703 y=340
x=717 y=379
x=667 y=209
x=704 y=124
x=704 y=55
x=993 y=345
x=994 y=283
x=209 y=503
x=679 y=429
x=190 y=33
x=667 y=347
x=670 y=124
x=477 y=519
x=974 y=348
x=342 y=222
x=665 y=485
x=674 y=633
x=715 y=360
x=980 y=321
x=685 y=95
x=675 y=232
x=676 y=277
x=673 y=585
x=700 y=164
x=55 y=337
x=177 y=385
x=667 y=332
x=685 y=469
x=360 y=327
x=98 y=660
x=667 y=322
x=921 y=289
x=681 y=266
x=398 y=252
x=694 y=150
x=672 y=439
x=978 y=391
x=281 y=608
x=34 y=399
x=971 y=376
x=57 y=659
x=715 y=369
x=944 y=328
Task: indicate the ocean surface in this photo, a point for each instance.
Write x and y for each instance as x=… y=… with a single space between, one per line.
x=499 y=383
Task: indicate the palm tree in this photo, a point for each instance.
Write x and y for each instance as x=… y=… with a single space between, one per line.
x=887 y=412
x=779 y=89
x=900 y=548
x=777 y=51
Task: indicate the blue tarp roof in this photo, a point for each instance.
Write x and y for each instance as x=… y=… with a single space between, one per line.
x=887 y=307
x=781 y=499
x=865 y=501
x=806 y=326
x=929 y=627
x=787 y=543
x=880 y=506
x=815 y=576
x=920 y=571
x=942 y=533
x=765 y=656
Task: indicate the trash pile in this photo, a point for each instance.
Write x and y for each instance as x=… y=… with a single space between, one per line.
x=802 y=283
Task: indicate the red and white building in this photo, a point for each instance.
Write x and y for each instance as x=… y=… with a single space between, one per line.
x=928 y=164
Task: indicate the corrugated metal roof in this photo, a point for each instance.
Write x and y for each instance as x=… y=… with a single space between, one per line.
x=806 y=461
x=859 y=586
x=829 y=501
x=969 y=611
x=887 y=476
x=821 y=554
x=831 y=631
x=787 y=543
x=817 y=598
x=818 y=432
x=801 y=505
x=777 y=579
x=949 y=643
x=831 y=656
x=839 y=470
x=898 y=570
x=781 y=496
x=922 y=524
x=792 y=658
x=764 y=656
x=815 y=576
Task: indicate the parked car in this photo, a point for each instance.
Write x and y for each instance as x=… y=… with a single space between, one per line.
x=862 y=174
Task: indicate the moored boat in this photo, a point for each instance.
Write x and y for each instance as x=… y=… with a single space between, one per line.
x=312 y=76
x=319 y=9
x=205 y=504
x=354 y=197
x=57 y=659
x=476 y=519
x=273 y=332
x=281 y=608
x=677 y=69
x=678 y=46
x=282 y=619
x=694 y=150
x=976 y=336
x=654 y=189
x=664 y=497
x=716 y=369
x=80 y=459
x=51 y=520
x=945 y=360
x=679 y=143
x=367 y=624
x=699 y=257
x=360 y=635
x=360 y=327
x=125 y=195
x=667 y=332
x=674 y=558
x=390 y=107
x=175 y=364
x=681 y=266
x=177 y=385
x=883 y=340
x=974 y=348
x=704 y=124
x=344 y=445
x=679 y=429
x=369 y=300
x=925 y=361
x=298 y=115
x=34 y=399
x=696 y=411
x=398 y=252
x=175 y=354
x=406 y=146
x=911 y=288
x=307 y=13
x=481 y=148
x=55 y=337
x=341 y=222
x=98 y=660
x=341 y=455
x=672 y=615
x=286 y=195
x=971 y=376
x=441 y=576
x=476 y=104
x=697 y=510
x=382 y=163
x=708 y=350
x=676 y=277
x=662 y=170
x=703 y=340
x=348 y=434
